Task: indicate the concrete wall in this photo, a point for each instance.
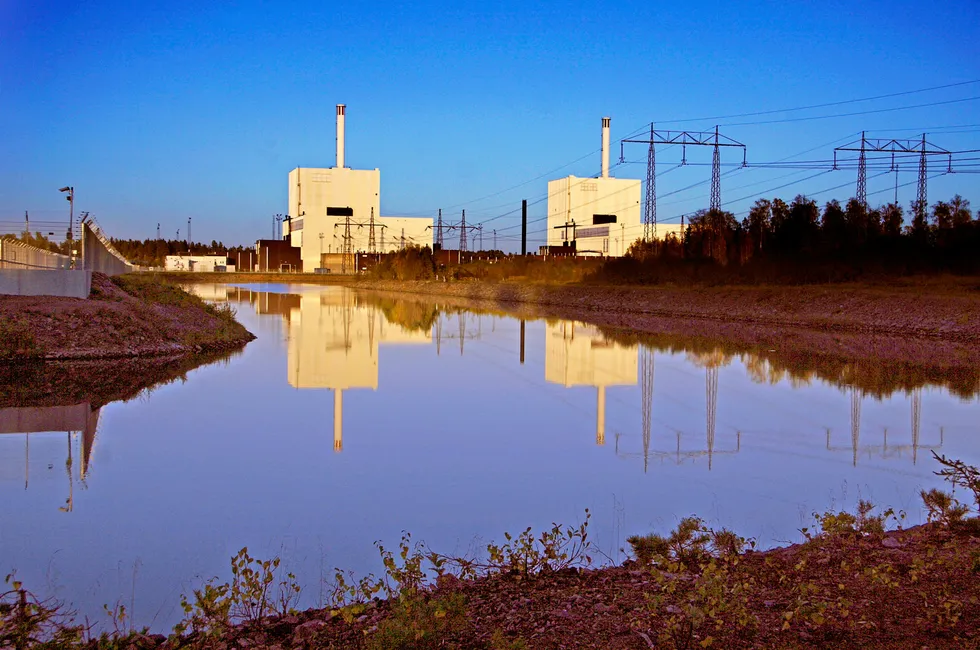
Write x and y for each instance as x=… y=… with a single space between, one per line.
x=41 y=282
x=99 y=255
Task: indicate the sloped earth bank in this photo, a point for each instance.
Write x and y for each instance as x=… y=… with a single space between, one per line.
x=126 y=316
x=939 y=330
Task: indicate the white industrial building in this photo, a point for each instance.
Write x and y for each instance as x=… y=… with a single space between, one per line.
x=602 y=216
x=199 y=263
x=322 y=200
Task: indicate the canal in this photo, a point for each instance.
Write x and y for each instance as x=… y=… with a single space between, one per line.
x=353 y=418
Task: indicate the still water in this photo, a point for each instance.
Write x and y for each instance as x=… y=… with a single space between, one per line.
x=351 y=419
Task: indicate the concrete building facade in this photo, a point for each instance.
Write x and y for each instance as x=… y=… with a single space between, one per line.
x=602 y=216
x=321 y=200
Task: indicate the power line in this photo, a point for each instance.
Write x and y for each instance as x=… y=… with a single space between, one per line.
x=878 y=110
x=825 y=105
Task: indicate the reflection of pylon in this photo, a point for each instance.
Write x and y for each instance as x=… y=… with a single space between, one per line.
x=348 y=316
x=461 y=317
x=371 y=311
x=646 y=400
x=711 y=397
x=916 y=421
x=855 y=422
x=438 y=334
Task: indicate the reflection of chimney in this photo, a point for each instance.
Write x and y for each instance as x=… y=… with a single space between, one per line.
x=340 y=135
x=338 y=420
x=600 y=425
x=605 y=146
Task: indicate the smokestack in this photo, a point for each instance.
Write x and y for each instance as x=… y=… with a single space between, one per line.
x=340 y=135
x=605 y=147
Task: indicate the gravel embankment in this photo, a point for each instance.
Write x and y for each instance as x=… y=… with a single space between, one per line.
x=147 y=319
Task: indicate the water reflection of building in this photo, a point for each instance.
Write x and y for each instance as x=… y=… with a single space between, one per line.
x=79 y=421
x=333 y=343
x=577 y=354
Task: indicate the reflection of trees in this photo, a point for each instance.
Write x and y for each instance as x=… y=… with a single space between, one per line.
x=413 y=316
x=878 y=378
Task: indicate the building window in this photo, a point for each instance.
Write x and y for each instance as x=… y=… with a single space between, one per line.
x=603 y=218
x=589 y=187
x=605 y=245
x=340 y=212
x=321 y=178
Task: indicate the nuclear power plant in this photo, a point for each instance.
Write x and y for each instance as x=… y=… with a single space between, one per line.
x=335 y=213
x=594 y=216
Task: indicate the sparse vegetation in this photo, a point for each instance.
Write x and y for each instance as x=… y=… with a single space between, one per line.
x=853 y=582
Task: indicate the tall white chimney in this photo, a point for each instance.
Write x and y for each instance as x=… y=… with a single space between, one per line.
x=340 y=135
x=605 y=146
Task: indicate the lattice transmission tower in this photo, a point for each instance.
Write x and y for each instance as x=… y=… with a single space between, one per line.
x=462 y=233
x=866 y=146
x=371 y=243
x=713 y=139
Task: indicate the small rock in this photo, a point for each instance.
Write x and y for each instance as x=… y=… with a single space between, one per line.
x=891 y=542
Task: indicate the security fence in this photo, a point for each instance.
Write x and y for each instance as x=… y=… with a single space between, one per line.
x=18 y=255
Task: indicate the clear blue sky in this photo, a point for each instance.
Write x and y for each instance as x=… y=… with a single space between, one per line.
x=159 y=111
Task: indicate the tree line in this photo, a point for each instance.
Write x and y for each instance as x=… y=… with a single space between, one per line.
x=802 y=241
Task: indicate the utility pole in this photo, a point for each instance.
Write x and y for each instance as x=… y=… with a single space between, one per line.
x=158 y=230
x=462 y=233
x=716 y=176
x=713 y=139
x=347 y=256
x=650 y=208
x=495 y=239
x=920 y=195
x=878 y=145
x=439 y=230
x=524 y=228
x=27 y=226
x=479 y=230
x=403 y=240
x=371 y=244
x=862 y=183
x=188 y=232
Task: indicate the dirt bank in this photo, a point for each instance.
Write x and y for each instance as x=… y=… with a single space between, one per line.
x=888 y=323
x=127 y=316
